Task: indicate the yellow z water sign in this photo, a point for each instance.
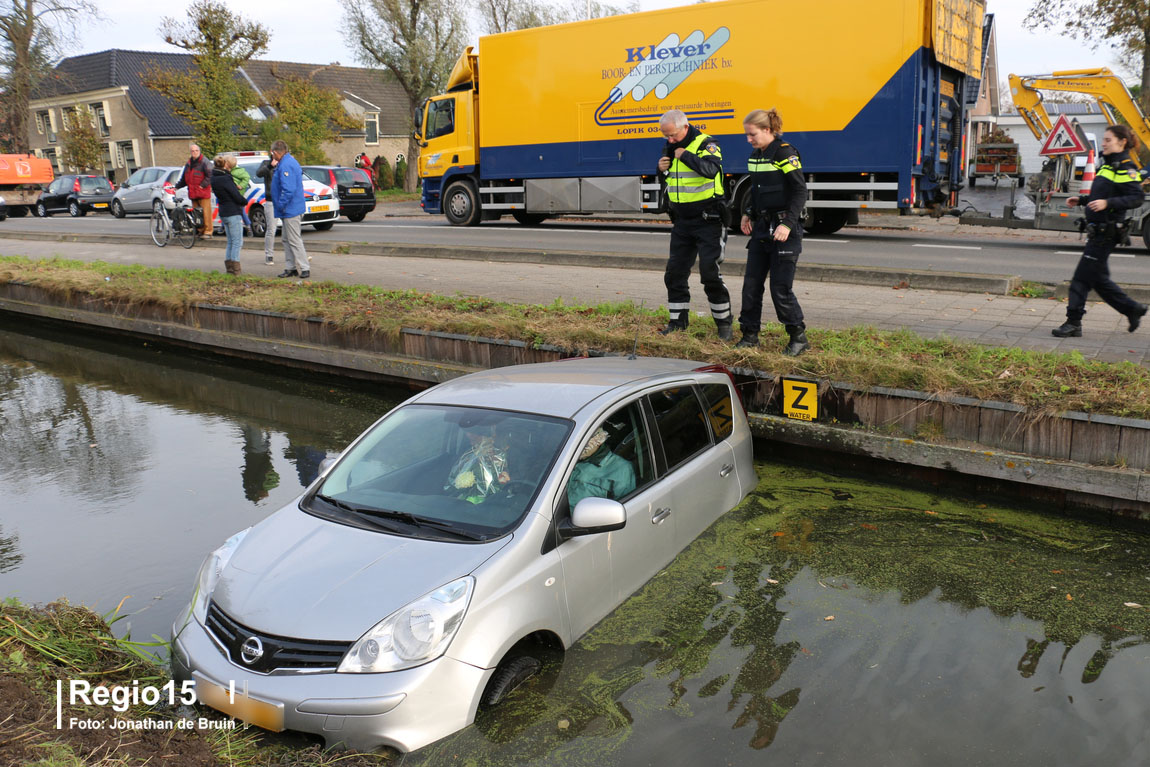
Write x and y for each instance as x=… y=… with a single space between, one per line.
x=800 y=399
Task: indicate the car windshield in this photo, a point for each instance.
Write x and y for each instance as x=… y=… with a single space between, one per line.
x=454 y=473
x=95 y=185
x=251 y=168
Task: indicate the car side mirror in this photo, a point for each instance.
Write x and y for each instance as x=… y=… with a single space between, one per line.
x=125 y=185
x=591 y=516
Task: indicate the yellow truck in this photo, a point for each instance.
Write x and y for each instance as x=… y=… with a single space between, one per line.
x=564 y=119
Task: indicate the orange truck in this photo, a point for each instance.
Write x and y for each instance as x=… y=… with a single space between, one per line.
x=22 y=177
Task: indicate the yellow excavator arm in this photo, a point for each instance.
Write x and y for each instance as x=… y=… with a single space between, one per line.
x=1108 y=90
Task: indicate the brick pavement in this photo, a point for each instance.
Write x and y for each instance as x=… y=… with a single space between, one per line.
x=993 y=320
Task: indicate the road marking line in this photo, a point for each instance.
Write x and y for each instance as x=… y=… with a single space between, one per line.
x=1122 y=255
x=513 y=230
x=1068 y=253
x=952 y=247
x=833 y=242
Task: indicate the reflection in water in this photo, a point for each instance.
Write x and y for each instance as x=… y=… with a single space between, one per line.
x=872 y=627
x=118 y=464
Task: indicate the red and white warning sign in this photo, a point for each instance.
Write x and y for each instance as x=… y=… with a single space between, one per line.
x=1063 y=139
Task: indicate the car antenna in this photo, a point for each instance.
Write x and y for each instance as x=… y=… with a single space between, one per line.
x=638 y=327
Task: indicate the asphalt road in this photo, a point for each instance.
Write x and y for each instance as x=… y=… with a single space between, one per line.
x=919 y=244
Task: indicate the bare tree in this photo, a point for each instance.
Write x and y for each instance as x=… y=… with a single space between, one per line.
x=33 y=34
x=508 y=15
x=416 y=41
x=1123 y=25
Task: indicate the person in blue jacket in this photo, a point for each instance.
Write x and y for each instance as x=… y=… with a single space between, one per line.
x=288 y=203
x=600 y=473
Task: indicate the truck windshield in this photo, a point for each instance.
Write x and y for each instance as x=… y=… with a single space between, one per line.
x=440 y=118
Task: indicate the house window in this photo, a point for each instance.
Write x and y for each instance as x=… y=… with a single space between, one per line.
x=127 y=155
x=371 y=127
x=50 y=155
x=101 y=119
x=69 y=116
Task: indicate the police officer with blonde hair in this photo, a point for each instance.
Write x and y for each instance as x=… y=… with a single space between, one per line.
x=692 y=167
x=773 y=218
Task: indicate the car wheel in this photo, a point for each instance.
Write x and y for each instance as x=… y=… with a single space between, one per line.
x=259 y=221
x=355 y=218
x=157 y=206
x=3 y=216
x=323 y=227
x=461 y=204
x=74 y=209
x=510 y=674
x=41 y=210
x=118 y=209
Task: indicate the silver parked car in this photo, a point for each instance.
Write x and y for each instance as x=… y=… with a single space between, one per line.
x=142 y=190
x=479 y=523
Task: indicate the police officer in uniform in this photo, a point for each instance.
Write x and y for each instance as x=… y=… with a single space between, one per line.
x=1116 y=189
x=772 y=216
x=692 y=166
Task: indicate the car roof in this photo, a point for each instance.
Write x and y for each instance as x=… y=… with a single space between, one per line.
x=552 y=388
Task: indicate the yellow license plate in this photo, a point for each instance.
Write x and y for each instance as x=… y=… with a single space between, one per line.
x=99 y=205
x=357 y=190
x=320 y=209
x=269 y=716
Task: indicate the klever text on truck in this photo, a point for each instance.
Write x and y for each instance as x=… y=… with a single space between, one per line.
x=565 y=119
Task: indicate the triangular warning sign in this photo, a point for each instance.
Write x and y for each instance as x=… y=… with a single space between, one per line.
x=1063 y=139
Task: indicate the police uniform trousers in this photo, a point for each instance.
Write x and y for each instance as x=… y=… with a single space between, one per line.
x=705 y=239
x=1093 y=273
x=767 y=257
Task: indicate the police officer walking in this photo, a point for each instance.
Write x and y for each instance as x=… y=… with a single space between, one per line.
x=693 y=169
x=1116 y=189
x=772 y=217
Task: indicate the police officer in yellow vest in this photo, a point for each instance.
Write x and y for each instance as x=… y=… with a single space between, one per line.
x=692 y=166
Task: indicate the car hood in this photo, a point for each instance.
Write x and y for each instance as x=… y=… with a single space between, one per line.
x=299 y=576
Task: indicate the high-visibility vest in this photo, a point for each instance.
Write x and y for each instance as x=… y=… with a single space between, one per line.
x=685 y=185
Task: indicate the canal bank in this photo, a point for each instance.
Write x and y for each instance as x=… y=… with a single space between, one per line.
x=1065 y=460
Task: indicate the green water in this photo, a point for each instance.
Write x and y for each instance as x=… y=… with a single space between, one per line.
x=836 y=621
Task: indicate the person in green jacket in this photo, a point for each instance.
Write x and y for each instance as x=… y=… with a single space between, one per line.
x=243 y=180
x=600 y=473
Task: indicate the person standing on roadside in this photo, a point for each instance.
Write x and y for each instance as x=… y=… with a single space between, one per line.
x=693 y=169
x=1116 y=189
x=265 y=173
x=231 y=205
x=197 y=177
x=287 y=197
x=243 y=181
x=773 y=217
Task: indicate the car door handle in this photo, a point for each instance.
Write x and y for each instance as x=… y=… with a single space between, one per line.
x=726 y=470
x=660 y=515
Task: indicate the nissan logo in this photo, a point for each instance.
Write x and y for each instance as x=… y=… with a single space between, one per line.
x=251 y=650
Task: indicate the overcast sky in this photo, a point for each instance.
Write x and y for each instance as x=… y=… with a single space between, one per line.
x=307 y=31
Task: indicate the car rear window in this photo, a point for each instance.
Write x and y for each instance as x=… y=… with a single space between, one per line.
x=94 y=185
x=348 y=176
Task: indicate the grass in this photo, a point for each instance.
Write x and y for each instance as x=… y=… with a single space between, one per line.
x=395 y=195
x=59 y=641
x=862 y=355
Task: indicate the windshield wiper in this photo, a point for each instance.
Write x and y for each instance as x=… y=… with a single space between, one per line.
x=337 y=503
x=415 y=521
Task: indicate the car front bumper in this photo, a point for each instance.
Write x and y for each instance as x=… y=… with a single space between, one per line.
x=402 y=709
x=312 y=215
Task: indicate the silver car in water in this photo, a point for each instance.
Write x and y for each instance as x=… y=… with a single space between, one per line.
x=475 y=526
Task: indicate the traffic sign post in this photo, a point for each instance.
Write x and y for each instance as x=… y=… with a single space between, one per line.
x=1063 y=139
x=800 y=399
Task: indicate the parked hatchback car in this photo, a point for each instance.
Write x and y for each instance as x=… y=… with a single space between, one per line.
x=352 y=185
x=483 y=520
x=142 y=190
x=76 y=194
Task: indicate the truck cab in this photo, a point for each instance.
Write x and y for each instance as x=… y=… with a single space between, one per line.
x=448 y=158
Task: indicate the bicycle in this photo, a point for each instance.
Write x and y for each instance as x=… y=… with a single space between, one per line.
x=171 y=220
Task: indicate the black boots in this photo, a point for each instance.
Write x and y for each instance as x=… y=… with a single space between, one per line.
x=724 y=329
x=1135 y=317
x=1074 y=330
x=673 y=327
x=798 y=344
x=749 y=340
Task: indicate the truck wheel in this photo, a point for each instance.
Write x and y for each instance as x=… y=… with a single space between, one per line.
x=825 y=221
x=1146 y=232
x=18 y=211
x=528 y=219
x=461 y=204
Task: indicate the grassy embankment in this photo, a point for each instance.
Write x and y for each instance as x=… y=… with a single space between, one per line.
x=39 y=646
x=1046 y=382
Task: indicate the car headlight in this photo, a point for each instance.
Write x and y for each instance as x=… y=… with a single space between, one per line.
x=210 y=575
x=412 y=635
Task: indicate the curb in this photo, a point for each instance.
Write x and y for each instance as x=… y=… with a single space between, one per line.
x=960 y=282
